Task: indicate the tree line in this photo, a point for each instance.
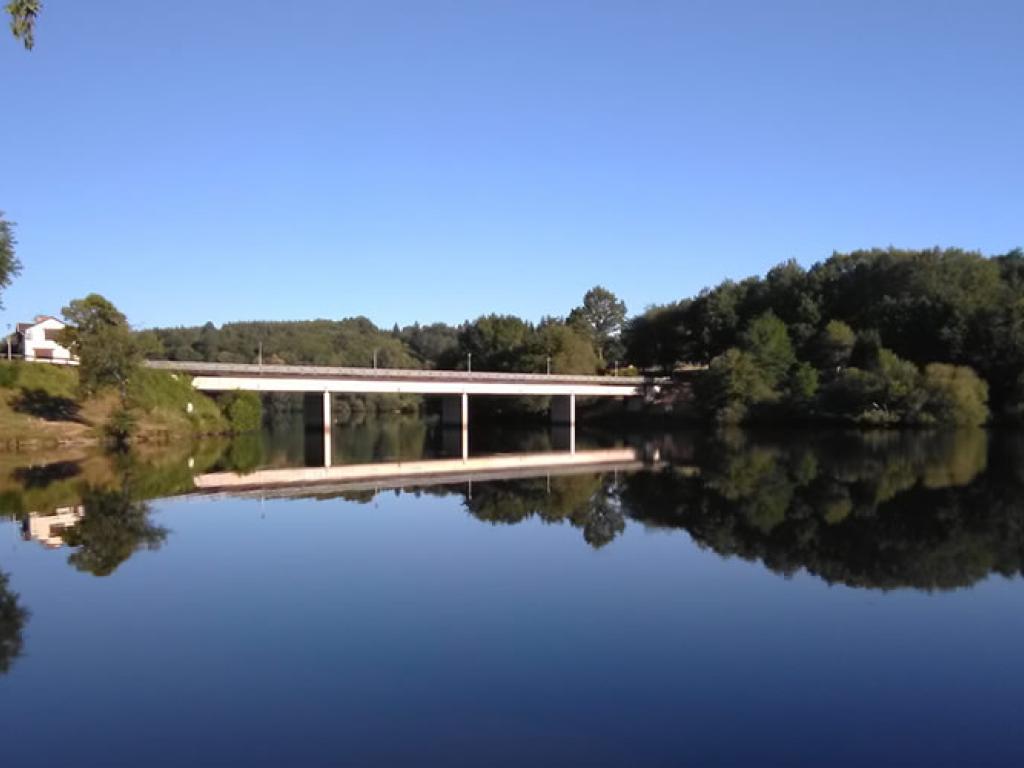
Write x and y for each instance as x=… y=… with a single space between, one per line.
x=587 y=340
x=882 y=336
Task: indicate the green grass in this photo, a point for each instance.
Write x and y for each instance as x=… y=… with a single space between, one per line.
x=165 y=397
x=159 y=401
x=54 y=380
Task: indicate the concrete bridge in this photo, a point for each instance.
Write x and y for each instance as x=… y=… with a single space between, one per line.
x=318 y=383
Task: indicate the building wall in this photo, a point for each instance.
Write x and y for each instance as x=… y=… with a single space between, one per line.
x=36 y=345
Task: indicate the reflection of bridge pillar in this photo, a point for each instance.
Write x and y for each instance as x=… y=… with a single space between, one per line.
x=455 y=416
x=563 y=437
x=563 y=409
x=316 y=415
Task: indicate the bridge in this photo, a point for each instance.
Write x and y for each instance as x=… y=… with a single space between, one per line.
x=318 y=383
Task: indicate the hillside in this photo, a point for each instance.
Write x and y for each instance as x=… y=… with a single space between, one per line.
x=40 y=407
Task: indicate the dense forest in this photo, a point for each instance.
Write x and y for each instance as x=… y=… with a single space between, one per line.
x=877 y=337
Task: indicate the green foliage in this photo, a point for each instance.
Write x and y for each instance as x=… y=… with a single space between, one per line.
x=114 y=526
x=834 y=345
x=314 y=342
x=767 y=341
x=9 y=375
x=568 y=350
x=733 y=383
x=867 y=351
x=23 y=20
x=929 y=306
x=244 y=453
x=496 y=342
x=120 y=426
x=802 y=385
x=955 y=395
x=244 y=411
x=172 y=399
x=881 y=510
x=9 y=264
x=13 y=617
x=600 y=318
x=108 y=351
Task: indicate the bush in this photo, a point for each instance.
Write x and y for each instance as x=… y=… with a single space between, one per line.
x=120 y=426
x=8 y=375
x=732 y=383
x=955 y=395
x=244 y=411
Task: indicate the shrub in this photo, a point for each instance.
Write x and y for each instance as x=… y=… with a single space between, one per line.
x=244 y=411
x=120 y=426
x=955 y=394
x=8 y=375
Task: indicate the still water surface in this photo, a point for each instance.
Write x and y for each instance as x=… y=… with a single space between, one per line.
x=796 y=599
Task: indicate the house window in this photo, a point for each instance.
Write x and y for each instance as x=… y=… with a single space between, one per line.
x=45 y=354
x=52 y=334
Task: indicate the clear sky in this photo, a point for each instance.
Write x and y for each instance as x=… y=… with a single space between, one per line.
x=437 y=160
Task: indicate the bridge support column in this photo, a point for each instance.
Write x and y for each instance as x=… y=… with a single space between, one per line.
x=316 y=415
x=563 y=421
x=455 y=415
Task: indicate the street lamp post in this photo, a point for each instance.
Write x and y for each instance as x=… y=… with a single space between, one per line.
x=469 y=362
x=549 y=365
x=8 y=342
x=375 y=359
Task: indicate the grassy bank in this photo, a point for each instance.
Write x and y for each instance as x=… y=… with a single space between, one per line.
x=40 y=407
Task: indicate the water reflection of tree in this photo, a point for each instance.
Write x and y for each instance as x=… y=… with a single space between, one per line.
x=589 y=502
x=890 y=510
x=115 y=525
x=12 y=621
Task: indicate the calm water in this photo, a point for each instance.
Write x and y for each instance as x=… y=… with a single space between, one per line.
x=799 y=599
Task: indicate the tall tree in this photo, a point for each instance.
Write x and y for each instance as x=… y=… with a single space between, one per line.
x=601 y=316
x=23 y=20
x=9 y=264
x=99 y=334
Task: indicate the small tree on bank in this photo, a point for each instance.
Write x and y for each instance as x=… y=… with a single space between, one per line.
x=108 y=352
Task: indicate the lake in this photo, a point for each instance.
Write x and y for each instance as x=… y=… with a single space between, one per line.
x=798 y=598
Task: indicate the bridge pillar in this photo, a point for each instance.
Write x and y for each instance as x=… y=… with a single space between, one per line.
x=316 y=415
x=455 y=411
x=563 y=409
x=455 y=414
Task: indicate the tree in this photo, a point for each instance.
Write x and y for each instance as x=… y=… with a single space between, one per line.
x=767 y=341
x=566 y=348
x=734 y=381
x=497 y=342
x=956 y=395
x=834 y=345
x=601 y=317
x=9 y=264
x=23 y=20
x=100 y=336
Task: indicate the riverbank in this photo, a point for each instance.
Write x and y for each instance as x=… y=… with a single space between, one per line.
x=41 y=408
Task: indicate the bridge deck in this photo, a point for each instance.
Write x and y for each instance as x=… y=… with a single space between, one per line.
x=311 y=378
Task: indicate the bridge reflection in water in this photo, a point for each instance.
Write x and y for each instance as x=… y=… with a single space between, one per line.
x=399 y=474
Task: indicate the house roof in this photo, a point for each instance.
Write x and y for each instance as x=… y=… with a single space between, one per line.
x=22 y=327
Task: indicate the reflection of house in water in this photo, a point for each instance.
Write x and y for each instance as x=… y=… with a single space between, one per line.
x=49 y=529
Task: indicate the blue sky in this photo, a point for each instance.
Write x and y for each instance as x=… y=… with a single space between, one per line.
x=437 y=160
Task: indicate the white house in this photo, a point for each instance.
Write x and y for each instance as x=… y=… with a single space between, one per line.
x=38 y=341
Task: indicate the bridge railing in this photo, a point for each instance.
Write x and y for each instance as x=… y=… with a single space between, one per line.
x=345 y=372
